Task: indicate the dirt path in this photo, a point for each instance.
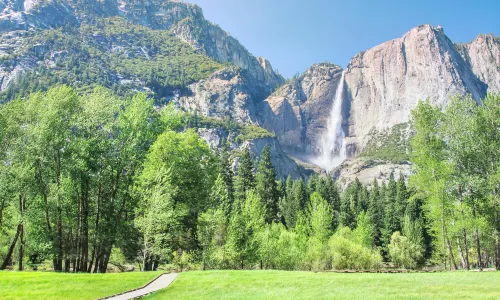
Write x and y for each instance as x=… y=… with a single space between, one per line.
x=159 y=283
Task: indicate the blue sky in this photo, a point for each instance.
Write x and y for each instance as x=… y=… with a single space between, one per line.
x=293 y=34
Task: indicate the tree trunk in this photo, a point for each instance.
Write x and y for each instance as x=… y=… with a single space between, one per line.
x=452 y=257
x=21 y=249
x=461 y=252
x=21 y=235
x=478 y=243
x=466 y=248
x=496 y=233
x=466 y=254
x=11 y=248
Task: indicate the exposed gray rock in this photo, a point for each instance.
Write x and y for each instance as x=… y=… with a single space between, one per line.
x=283 y=164
x=183 y=19
x=368 y=170
x=298 y=112
x=229 y=93
x=386 y=82
x=483 y=55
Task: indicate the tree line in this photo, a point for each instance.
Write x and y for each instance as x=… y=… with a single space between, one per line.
x=86 y=176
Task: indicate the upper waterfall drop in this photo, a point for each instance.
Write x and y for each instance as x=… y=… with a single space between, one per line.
x=333 y=150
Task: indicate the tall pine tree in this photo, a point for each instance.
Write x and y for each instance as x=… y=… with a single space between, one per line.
x=266 y=185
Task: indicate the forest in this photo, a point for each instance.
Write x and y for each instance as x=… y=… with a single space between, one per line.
x=93 y=179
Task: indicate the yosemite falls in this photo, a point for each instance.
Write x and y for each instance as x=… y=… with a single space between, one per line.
x=332 y=144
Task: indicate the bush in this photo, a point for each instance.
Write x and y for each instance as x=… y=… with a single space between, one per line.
x=403 y=252
x=349 y=253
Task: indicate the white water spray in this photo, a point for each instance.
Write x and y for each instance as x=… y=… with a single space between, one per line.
x=332 y=145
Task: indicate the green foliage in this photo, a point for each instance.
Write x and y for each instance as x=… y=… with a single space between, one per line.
x=245 y=179
x=347 y=252
x=266 y=185
x=102 y=52
x=403 y=252
x=390 y=145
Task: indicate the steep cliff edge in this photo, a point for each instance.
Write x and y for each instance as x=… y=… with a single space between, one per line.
x=386 y=82
x=483 y=55
x=298 y=111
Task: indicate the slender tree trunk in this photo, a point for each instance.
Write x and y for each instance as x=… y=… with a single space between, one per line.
x=11 y=248
x=461 y=252
x=496 y=225
x=443 y=228
x=2 y=205
x=452 y=257
x=464 y=232
x=478 y=243
x=22 y=206
x=467 y=264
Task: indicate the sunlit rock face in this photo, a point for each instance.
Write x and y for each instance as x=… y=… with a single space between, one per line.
x=386 y=82
x=483 y=56
x=298 y=112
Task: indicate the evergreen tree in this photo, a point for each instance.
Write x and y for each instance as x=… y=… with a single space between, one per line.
x=223 y=189
x=245 y=179
x=402 y=196
x=392 y=222
x=266 y=185
x=376 y=212
x=300 y=193
x=290 y=204
x=349 y=205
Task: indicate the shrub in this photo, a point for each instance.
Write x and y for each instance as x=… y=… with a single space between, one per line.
x=403 y=252
x=347 y=252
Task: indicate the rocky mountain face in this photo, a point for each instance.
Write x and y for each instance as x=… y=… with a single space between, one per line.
x=185 y=21
x=483 y=57
x=386 y=82
x=165 y=48
x=298 y=111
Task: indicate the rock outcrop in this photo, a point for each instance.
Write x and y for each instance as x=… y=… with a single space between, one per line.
x=386 y=82
x=298 y=111
x=483 y=56
x=282 y=163
x=229 y=93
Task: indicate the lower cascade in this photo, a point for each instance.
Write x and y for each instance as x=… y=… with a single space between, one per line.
x=332 y=144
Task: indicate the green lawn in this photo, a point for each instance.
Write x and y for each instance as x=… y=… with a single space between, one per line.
x=49 y=285
x=308 y=285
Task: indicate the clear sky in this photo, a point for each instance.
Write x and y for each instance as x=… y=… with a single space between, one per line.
x=294 y=34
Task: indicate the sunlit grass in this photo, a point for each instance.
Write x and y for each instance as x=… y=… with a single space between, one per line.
x=309 y=285
x=50 y=285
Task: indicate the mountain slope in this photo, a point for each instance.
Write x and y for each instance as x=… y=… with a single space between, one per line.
x=81 y=21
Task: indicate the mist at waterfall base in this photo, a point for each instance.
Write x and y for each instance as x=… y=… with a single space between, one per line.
x=332 y=146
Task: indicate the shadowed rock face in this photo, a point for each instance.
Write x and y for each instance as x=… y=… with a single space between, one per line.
x=387 y=81
x=298 y=112
x=483 y=56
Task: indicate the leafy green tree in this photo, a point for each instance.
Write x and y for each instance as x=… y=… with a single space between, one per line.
x=404 y=252
x=191 y=167
x=433 y=171
x=487 y=137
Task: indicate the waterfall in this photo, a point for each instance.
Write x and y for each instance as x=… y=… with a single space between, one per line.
x=333 y=150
